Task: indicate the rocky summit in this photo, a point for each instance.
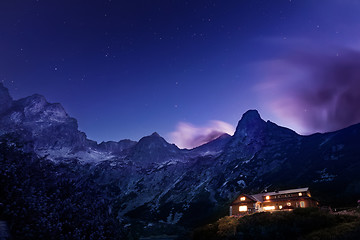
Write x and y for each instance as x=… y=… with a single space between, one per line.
x=67 y=185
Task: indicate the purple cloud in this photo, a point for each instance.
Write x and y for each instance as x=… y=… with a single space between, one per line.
x=314 y=92
x=189 y=136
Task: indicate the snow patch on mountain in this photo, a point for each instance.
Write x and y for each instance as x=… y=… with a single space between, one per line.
x=324 y=176
x=89 y=156
x=174 y=218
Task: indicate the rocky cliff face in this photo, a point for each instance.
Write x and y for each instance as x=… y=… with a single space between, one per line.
x=156 y=182
x=47 y=125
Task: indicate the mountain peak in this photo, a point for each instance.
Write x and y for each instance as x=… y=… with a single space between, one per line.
x=5 y=98
x=36 y=106
x=154 y=149
x=155 y=134
x=251 y=115
x=250 y=124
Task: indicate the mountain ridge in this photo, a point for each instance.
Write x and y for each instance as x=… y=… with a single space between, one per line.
x=251 y=124
x=152 y=182
x=36 y=109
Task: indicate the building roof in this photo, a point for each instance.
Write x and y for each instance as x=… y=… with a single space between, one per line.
x=259 y=197
x=251 y=197
x=236 y=201
x=287 y=191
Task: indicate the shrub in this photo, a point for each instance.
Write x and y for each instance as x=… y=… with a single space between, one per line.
x=227 y=227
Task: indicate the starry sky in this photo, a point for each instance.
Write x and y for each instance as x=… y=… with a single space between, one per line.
x=185 y=69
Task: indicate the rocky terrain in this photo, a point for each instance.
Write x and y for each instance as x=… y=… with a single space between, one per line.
x=56 y=182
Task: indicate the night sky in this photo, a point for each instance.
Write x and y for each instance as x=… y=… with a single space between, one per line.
x=186 y=69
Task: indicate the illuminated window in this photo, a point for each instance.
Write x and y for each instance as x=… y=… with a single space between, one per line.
x=242 y=199
x=300 y=194
x=267 y=197
x=289 y=204
x=243 y=208
x=268 y=208
x=302 y=204
x=280 y=206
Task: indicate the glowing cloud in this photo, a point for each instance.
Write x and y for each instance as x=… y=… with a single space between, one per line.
x=189 y=136
x=314 y=92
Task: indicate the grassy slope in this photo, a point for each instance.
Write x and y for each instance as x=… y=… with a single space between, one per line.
x=300 y=224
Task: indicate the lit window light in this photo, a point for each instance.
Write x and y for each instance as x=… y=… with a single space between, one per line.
x=243 y=208
x=268 y=208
